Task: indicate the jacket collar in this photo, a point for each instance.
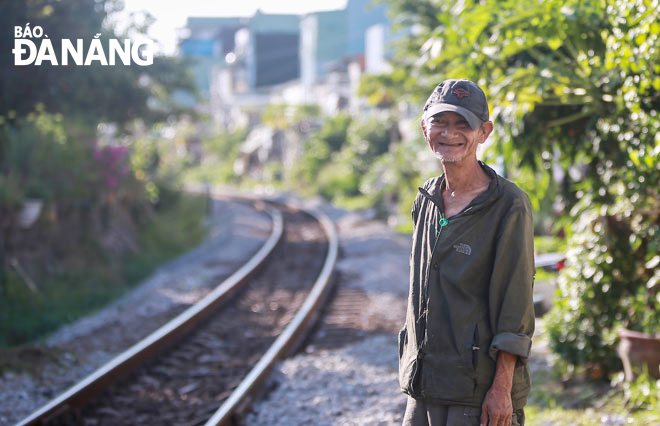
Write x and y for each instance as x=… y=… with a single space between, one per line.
x=433 y=191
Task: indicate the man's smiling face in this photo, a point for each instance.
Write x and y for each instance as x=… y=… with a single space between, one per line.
x=451 y=138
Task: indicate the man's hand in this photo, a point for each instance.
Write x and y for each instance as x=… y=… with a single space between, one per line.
x=497 y=408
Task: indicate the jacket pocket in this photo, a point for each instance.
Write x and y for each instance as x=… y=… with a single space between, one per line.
x=447 y=379
x=403 y=340
x=407 y=363
x=470 y=348
x=484 y=365
x=475 y=347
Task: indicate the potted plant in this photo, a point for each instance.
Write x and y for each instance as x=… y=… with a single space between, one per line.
x=639 y=339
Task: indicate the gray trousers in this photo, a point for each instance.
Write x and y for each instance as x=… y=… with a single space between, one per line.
x=419 y=413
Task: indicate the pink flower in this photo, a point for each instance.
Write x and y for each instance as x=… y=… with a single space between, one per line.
x=112 y=161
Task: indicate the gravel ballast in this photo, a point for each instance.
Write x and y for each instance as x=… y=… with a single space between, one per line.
x=356 y=384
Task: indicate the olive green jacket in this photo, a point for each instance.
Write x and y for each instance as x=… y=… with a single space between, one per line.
x=470 y=295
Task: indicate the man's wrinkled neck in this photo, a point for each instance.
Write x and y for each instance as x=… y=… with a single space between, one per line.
x=463 y=175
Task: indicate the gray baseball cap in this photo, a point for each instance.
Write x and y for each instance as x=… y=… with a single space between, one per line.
x=463 y=97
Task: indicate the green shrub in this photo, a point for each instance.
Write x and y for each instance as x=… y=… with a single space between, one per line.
x=643 y=393
x=611 y=281
x=366 y=141
x=36 y=147
x=392 y=180
x=337 y=180
x=319 y=149
x=87 y=278
x=549 y=244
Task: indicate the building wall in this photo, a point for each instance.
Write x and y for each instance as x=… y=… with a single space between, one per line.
x=331 y=39
x=312 y=59
x=376 y=48
x=362 y=14
x=309 y=25
x=273 y=55
x=208 y=42
x=276 y=58
x=323 y=42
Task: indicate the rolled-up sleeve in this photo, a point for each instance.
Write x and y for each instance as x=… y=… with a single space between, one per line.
x=513 y=343
x=511 y=305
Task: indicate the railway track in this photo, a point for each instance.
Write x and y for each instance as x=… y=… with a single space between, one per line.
x=202 y=367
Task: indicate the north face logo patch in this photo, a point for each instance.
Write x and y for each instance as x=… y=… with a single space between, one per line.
x=463 y=248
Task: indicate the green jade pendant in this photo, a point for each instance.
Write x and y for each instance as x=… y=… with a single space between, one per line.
x=442 y=222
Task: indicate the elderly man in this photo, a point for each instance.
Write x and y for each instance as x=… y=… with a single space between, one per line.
x=464 y=349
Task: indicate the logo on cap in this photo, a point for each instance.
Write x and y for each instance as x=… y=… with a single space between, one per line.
x=461 y=93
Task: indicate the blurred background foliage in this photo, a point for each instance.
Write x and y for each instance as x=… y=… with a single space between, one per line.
x=93 y=93
x=87 y=152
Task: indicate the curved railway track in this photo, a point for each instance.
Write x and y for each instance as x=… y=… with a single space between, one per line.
x=202 y=367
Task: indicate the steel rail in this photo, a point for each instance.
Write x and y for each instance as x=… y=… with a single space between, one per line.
x=76 y=396
x=291 y=335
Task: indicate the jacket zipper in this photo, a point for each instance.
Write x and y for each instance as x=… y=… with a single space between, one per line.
x=423 y=315
x=443 y=222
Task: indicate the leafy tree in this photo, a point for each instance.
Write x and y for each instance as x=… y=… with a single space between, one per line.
x=366 y=141
x=286 y=116
x=50 y=118
x=575 y=86
x=319 y=148
x=93 y=93
x=391 y=183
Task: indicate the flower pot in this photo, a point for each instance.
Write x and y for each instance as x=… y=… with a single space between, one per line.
x=638 y=352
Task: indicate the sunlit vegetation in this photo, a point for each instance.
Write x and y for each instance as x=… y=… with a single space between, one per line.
x=89 y=203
